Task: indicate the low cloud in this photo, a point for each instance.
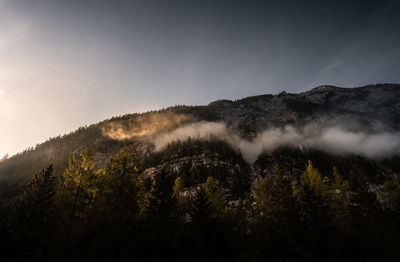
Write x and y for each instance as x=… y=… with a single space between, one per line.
x=333 y=139
x=198 y=130
x=143 y=125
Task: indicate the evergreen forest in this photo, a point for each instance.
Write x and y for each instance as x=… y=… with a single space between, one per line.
x=118 y=213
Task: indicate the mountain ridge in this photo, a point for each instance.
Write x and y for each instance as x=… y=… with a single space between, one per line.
x=371 y=109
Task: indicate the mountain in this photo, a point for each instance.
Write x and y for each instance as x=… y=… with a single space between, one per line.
x=232 y=139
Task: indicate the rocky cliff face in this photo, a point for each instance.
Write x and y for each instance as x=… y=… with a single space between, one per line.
x=374 y=106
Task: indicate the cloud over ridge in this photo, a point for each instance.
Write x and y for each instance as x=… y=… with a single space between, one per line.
x=332 y=139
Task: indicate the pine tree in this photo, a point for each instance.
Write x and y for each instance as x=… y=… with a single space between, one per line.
x=312 y=180
x=178 y=191
x=311 y=192
x=33 y=219
x=36 y=198
x=121 y=191
x=275 y=198
x=202 y=210
x=391 y=191
x=277 y=213
x=313 y=196
x=116 y=213
x=161 y=216
x=208 y=227
x=181 y=199
x=78 y=187
x=341 y=197
x=202 y=227
x=161 y=203
x=365 y=212
x=215 y=196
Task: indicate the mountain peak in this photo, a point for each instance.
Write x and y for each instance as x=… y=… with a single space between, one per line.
x=325 y=88
x=370 y=108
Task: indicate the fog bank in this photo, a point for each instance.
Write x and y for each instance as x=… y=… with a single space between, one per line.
x=332 y=139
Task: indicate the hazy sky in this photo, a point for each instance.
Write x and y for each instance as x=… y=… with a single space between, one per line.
x=67 y=63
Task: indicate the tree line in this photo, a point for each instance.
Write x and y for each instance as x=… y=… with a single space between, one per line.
x=117 y=214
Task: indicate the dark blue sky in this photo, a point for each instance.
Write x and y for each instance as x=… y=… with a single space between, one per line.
x=68 y=63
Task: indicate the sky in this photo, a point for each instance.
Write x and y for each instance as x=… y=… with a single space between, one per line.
x=65 y=64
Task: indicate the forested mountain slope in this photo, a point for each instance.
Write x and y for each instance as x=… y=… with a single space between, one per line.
x=369 y=110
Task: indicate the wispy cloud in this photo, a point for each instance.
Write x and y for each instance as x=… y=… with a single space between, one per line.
x=336 y=139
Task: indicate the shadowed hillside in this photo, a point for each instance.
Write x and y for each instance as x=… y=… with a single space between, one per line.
x=287 y=177
x=370 y=109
